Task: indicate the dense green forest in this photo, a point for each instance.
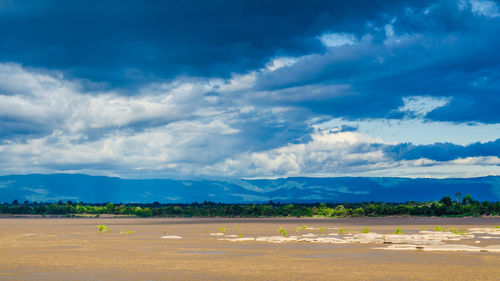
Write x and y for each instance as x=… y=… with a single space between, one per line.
x=465 y=206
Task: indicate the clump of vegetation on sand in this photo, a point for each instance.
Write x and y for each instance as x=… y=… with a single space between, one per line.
x=282 y=231
x=103 y=228
x=398 y=231
x=126 y=232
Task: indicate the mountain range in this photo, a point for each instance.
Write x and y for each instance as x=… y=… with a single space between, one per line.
x=98 y=189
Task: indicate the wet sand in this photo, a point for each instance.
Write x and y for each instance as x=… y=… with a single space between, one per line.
x=74 y=249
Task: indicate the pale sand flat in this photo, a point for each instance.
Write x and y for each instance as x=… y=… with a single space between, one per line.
x=240 y=239
x=429 y=238
x=443 y=248
x=171 y=237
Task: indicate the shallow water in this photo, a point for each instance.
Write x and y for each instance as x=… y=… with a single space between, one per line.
x=73 y=249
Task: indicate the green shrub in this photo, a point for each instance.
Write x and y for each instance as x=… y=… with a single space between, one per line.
x=365 y=230
x=438 y=228
x=222 y=229
x=283 y=232
x=398 y=231
x=341 y=231
x=103 y=228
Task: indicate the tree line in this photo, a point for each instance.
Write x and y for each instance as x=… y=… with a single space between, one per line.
x=466 y=206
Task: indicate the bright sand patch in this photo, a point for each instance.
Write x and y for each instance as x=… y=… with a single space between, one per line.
x=424 y=240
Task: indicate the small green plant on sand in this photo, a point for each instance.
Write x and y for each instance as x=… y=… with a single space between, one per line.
x=341 y=231
x=240 y=235
x=222 y=229
x=103 y=228
x=398 y=231
x=206 y=231
x=497 y=226
x=128 y=232
x=300 y=228
x=424 y=228
x=282 y=231
x=438 y=228
x=322 y=229
x=365 y=230
x=462 y=232
x=454 y=230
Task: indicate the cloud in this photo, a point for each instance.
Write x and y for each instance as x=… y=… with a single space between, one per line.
x=484 y=8
x=337 y=39
x=127 y=44
x=249 y=89
x=169 y=128
x=421 y=55
x=444 y=151
x=420 y=106
x=351 y=153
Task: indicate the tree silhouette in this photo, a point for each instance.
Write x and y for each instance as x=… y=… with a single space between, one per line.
x=458 y=197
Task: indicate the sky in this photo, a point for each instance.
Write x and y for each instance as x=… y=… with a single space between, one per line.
x=250 y=89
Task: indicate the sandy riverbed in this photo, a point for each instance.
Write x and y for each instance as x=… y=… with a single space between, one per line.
x=74 y=249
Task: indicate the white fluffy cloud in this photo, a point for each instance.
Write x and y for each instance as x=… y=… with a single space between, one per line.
x=197 y=128
x=334 y=153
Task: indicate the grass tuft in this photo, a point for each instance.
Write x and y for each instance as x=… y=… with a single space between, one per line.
x=128 y=232
x=398 y=231
x=365 y=230
x=283 y=232
x=103 y=228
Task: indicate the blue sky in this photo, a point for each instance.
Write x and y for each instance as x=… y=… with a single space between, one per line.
x=250 y=89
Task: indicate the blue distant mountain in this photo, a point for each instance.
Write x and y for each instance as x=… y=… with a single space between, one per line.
x=97 y=189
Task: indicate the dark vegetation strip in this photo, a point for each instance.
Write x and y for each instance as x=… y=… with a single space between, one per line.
x=465 y=206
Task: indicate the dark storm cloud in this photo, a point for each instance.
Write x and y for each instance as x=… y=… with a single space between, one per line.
x=135 y=41
x=442 y=50
x=442 y=151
